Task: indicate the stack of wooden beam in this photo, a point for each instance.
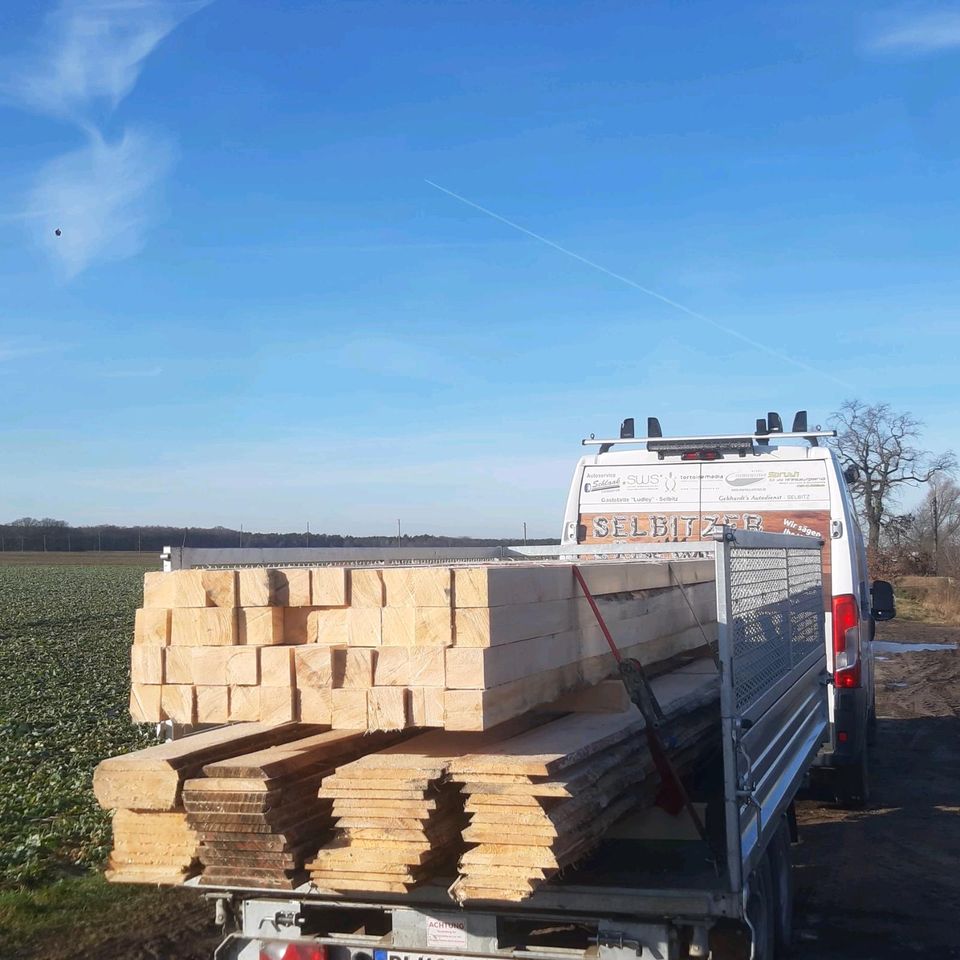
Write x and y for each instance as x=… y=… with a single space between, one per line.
x=515 y=651
x=152 y=839
x=542 y=800
x=258 y=815
x=464 y=648
x=399 y=819
x=212 y=646
x=152 y=847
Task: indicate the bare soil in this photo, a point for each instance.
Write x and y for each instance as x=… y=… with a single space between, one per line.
x=874 y=884
x=884 y=882
x=166 y=924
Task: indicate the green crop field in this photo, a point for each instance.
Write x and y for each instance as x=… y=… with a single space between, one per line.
x=65 y=633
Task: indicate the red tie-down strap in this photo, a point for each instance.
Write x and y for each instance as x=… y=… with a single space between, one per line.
x=672 y=796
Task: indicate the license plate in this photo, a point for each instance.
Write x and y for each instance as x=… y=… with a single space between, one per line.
x=381 y=954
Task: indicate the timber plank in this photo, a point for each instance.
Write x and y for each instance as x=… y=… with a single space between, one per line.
x=349 y=709
x=598 y=774
x=492 y=626
x=259 y=816
x=364 y=626
x=152 y=778
x=367 y=588
x=398 y=626
x=243 y=666
x=259 y=626
x=392 y=667
x=151 y=627
x=277 y=704
x=213 y=704
x=480 y=709
x=314 y=666
x=207 y=666
x=427 y=706
x=353 y=668
x=203 y=627
x=386 y=708
x=314 y=705
x=292 y=756
x=146 y=664
x=276 y=666
x=329 y=586
x=417 y=586
x=244 y=703
x=630 y=621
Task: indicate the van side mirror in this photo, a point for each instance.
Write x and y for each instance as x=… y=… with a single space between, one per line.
x=882 y=601
x=851 y=473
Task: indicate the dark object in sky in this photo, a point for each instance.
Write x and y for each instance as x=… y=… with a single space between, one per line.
x=58 y=231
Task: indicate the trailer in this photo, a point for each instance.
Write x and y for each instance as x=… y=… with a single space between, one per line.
x=657 y=889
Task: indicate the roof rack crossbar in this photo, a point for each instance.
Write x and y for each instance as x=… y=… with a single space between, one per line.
x=751 y=437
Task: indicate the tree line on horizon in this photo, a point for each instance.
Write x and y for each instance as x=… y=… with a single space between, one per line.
x=31 y=534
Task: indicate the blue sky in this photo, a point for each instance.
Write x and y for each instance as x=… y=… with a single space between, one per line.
x=259 y=311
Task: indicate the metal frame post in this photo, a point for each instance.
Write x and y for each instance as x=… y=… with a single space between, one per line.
x=728 y=710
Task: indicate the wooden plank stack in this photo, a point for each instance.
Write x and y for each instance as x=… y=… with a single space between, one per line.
x=257 y=806
x=212 y=646
x=399 y=818
x=150 y=846
x=464 y=648
x=543 y=800
x=258 y=815
x=319 y=671
x=395 y=818
x=153 y=842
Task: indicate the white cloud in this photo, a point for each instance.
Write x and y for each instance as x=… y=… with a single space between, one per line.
x=93 y=51
x=395 y=357
x=17 y=348
x=88 y=60
x=100 y=197
x=924 y=33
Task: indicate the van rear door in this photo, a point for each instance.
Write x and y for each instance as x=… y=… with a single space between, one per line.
x=690 y=501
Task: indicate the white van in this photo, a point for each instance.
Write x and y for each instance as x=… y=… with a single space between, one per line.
x=655 y=488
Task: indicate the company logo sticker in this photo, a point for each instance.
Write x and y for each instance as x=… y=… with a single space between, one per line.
x=744 y=479
x=601 y=485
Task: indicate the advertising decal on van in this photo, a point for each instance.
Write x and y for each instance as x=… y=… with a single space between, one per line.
x=691 y=501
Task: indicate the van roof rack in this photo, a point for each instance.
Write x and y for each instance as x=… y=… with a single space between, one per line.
x=710 y=438
x=767 y=427
x=727 y=440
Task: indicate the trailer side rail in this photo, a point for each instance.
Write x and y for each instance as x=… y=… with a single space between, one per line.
x=773 y=671
x=186 y=558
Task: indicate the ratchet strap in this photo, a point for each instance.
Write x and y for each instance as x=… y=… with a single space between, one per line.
x=673 y=796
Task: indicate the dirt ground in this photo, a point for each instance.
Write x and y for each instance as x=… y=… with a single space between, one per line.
x=878 y=883
x=168 y=924
x=884 y=882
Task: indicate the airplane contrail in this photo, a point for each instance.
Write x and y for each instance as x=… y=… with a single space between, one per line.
x=756 y=344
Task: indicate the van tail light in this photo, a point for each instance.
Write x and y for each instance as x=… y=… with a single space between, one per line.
x=700 y=455
x=846 y=641
x=292 y=950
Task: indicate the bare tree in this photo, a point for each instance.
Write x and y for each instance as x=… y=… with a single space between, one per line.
x=938 y=520
x=882 y=444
